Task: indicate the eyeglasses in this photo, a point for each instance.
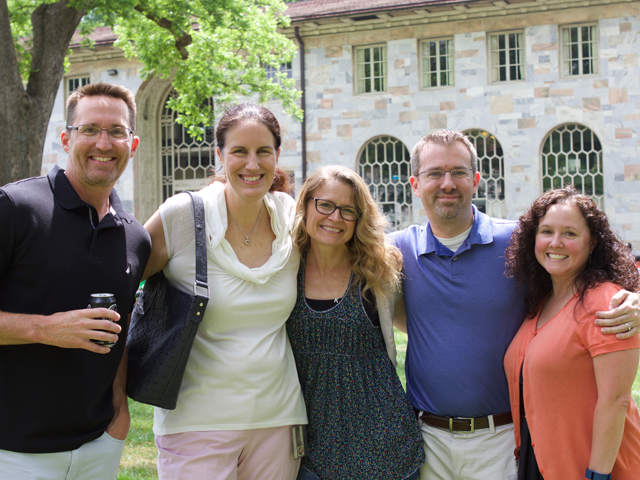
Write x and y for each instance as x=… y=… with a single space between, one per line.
x=326 y=207
x=459 y=173
x=91 y=131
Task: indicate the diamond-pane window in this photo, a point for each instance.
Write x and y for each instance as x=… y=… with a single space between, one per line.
x=579 y=50
x=371 y=69
x=572 y=155
x=385 y=165
x=186 y=161
x=437 y=63
x=490 y=195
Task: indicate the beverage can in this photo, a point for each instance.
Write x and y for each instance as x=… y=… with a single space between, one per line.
x=103 y=300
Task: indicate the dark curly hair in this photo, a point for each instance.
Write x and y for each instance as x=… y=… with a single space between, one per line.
x=610 y=260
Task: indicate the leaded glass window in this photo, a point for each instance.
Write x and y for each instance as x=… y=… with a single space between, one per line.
x=186 y=161
x=385 y=165
x=572 y=155
x=490 y=195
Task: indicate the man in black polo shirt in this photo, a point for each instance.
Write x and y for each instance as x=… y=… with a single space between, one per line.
x=64 y=237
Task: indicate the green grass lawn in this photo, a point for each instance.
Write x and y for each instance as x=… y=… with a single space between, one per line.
x=139 y=458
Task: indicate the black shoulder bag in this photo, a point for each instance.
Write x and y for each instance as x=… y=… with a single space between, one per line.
x=163 y=327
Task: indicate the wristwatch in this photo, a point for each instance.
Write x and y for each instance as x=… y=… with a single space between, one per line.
x=591 y=475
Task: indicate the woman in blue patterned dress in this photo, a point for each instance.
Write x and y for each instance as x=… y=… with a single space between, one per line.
x=361 y=425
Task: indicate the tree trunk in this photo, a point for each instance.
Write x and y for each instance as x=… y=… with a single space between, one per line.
x=25 y=112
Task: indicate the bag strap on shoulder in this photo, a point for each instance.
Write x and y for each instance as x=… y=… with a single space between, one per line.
x=201 y=243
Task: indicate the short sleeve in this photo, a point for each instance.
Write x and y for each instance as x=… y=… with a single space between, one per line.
x=8 y=229
x=177 y=222
x=596 y=342
x=394 y=238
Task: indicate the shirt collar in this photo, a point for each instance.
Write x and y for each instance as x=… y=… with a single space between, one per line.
x=68 y=198
x=481 y=233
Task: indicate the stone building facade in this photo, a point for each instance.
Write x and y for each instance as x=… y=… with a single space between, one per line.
x=549 y=91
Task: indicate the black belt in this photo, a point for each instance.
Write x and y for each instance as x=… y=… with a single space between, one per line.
x=464 y=424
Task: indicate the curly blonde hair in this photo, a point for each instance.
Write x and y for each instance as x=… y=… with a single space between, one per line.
x=374 y=260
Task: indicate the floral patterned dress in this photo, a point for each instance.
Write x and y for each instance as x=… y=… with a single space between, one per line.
x=361 y=425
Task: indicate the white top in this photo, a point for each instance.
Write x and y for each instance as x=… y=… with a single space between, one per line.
x=456 y=242
x=241 y=373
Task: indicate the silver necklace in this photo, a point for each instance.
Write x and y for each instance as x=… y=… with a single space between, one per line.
x=337 y=299
x=246 y=237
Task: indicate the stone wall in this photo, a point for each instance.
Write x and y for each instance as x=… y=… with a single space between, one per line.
x=519 y=114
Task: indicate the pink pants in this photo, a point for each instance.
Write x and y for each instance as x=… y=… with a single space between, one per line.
x=260 y=454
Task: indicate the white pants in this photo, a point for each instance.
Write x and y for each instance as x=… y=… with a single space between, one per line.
x=96 y=460
x=480 y=455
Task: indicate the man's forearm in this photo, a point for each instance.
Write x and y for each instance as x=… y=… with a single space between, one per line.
x=119 y=426
x=73 y=329
x=19 y=329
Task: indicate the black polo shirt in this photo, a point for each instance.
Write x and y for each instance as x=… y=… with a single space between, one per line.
x=53 y=255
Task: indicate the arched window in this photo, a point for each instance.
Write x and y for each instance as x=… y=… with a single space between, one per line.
x=186 y=161
x=385 y=165
x=490 y=195
x=572 y=155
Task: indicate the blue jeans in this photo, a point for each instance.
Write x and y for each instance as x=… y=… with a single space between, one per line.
x=305 y=474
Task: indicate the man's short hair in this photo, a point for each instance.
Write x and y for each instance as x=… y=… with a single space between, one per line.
x=102 y=89
x=446 y=138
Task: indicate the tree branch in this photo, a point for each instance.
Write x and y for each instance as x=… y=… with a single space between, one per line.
x=183 y=39
x=53 y=27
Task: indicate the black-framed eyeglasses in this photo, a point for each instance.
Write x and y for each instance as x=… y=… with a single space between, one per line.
x=458 y=173
x=91 y=131
x=327 y=207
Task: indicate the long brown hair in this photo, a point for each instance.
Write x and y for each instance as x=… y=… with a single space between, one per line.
x=249 y=111
x=610 y=260
x=374 y=260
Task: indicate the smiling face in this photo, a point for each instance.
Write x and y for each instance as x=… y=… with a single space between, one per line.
x=330 y=230
x=98 y=162
x=447 y=202
x=563 y=242
x=249 y=159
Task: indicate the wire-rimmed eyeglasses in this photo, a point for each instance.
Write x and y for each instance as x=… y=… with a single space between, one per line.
x=91 y=131
x=327 y=207
x=458 y=173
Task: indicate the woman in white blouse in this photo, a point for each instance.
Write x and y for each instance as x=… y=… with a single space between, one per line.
x=240 y=394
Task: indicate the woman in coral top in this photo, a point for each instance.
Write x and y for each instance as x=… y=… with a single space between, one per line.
x=570 y=385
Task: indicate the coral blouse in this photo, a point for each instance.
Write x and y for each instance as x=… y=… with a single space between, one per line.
x=560 y=390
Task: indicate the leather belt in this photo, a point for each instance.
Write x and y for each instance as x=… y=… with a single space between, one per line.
x=461 y=424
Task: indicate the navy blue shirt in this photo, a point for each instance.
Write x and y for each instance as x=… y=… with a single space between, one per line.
x=53 y=254
x=462 y=313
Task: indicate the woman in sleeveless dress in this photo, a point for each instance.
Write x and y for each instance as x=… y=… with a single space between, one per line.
x=361 y=425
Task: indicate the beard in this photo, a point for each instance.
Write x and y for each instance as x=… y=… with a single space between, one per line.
x=449 y=211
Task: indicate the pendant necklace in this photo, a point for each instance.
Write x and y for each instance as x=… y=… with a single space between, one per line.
x=337 y=299
x=246 y=237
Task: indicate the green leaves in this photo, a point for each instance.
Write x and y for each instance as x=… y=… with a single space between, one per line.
x=209 y=48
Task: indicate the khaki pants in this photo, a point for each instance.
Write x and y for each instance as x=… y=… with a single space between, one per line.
x=481 y=455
